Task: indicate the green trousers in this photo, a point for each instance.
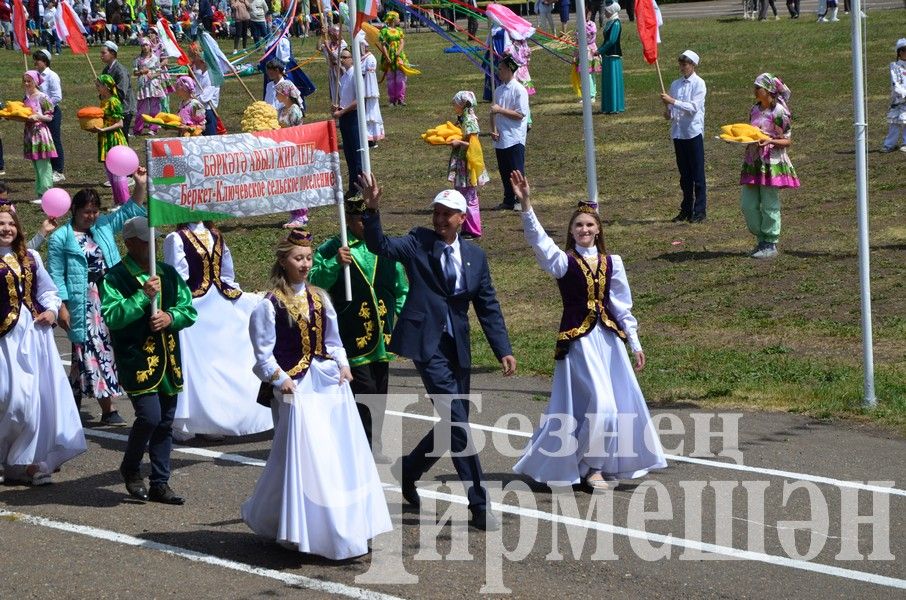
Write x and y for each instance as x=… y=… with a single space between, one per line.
x=43 y=176
x=761 y=208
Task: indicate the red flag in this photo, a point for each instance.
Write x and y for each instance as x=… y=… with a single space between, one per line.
x=646 y=21
x=19 y=28
x=73 y=29
x=169 y=43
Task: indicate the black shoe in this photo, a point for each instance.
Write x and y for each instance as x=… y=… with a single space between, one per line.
x=163 y=494
x=697 y=219
x=135 y=485
x=114 y=419
x=484 y=520
x=680 y=217
x=410 y=492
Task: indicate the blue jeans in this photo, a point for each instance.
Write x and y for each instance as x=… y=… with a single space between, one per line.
x=690 y=160
x=152 y=429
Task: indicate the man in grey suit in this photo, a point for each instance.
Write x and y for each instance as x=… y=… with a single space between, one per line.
x=446 y=273
x=120 y=75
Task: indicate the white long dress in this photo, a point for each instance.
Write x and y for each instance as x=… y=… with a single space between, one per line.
x=372 y=93
x=320 y=492
x=39 y=421
x=218 y=396
x=594 y=391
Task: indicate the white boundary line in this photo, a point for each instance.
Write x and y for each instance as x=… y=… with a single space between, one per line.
x=700 y=461
x=675 y=457
x=728 y=551
x=300 y=581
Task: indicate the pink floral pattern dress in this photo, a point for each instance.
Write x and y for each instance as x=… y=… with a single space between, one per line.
x=96 y=375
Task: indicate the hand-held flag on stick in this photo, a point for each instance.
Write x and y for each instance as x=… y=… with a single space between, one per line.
x=646 y=22
x=20 y=29
x=169 y=44
x=213 y=57
x=366 y=11
x=70 y=28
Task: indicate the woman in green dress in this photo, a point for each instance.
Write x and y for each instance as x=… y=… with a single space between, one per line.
x=393 y=58
x=111 y=134
x=612 y=97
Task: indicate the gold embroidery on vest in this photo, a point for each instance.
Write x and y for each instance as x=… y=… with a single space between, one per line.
x=14 y=301
x=216 y=264
x=365 y=313
x=205 y=264
x=305 y=326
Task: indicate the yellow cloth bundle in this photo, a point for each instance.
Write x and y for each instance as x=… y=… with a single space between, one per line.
x=743 y=133
x=474 y=160
x=442 y=134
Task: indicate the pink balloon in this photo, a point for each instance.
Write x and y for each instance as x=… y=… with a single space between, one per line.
x=55 y=202
x=122 y=161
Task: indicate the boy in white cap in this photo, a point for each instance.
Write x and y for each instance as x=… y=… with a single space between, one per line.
x=146 y=346
x=446 y=273
x=896 y=116
x=684 y=107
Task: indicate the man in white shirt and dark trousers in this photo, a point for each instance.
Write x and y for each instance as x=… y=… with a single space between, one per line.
x=685 y=109
x=510 y=124
x=52 y=88
x=208 y=94
x=345 y=114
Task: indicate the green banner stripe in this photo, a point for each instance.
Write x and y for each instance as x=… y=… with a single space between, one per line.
x=164 y=213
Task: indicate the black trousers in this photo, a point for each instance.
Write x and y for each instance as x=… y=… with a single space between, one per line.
x=447 y=382
x=690 y=160
x=369 y=385
x=509 y=160
x=349 y=130
x=56 y=163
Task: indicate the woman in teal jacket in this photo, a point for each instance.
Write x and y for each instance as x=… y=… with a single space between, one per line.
x=612 y=95
x=79 y=253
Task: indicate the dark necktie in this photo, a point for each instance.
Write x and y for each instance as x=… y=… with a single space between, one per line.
x=449 y=270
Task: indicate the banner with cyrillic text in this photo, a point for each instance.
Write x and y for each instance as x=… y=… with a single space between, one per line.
x=243 y=175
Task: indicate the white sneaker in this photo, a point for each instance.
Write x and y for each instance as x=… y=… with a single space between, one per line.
x=767 y=251
x=58 y=177
x=36 y=201
x=106 y=184
x=902 y=148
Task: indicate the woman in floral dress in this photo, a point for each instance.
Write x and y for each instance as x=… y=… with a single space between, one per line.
x=766 y=167
x=79 y=253
x=111 y=134
x=466 y=177
x=38 y=143
x=149 y=90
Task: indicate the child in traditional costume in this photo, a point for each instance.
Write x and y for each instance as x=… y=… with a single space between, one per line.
x=111 y=134
x=38 y=141
x=466 y=170
x=393 y=58
x=149 y=90
x=594 y=387
x=39 y=423
x=191 y=111
x=218 y=396
x=766 y=168
x=896 y=116
x=372 y=92
x=320 y=492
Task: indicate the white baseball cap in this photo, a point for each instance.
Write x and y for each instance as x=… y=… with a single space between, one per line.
x=451 y=199
x=112 y=47
x=901 y=43
x=690 y=56
x=137 y=227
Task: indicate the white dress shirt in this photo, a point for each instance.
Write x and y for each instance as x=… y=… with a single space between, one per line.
x=511 y=96
x=687 y=116
x=208 y=93
x=51 y=86
x=347 y=88
x=175 y=254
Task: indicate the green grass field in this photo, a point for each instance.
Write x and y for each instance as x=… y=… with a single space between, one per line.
x=719 y=328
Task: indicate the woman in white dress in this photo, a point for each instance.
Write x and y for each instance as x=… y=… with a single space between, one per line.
x=320 y=492
x=373 y=118
x=39 y=424
x=218 y=398
x=596 y=426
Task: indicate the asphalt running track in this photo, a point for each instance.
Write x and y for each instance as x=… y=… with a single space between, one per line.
x=708 y=526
